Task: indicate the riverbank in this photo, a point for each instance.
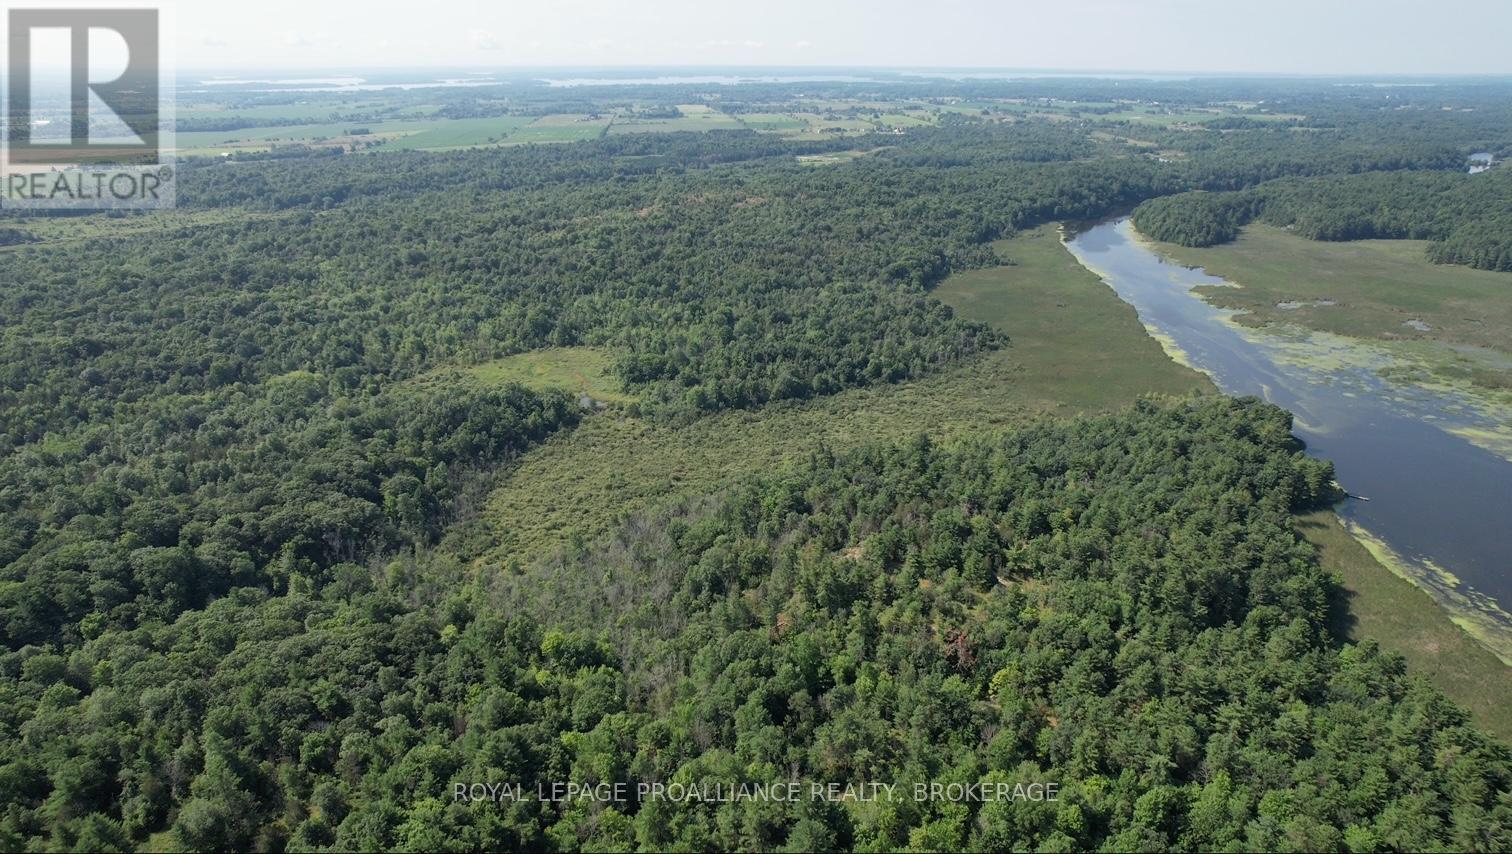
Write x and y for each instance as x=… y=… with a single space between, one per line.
x=1376 y=604
x=1369 y=440
x=1379 y=306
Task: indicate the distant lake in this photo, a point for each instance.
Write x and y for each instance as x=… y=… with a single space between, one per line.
x=702 y=80
x=1047 y=75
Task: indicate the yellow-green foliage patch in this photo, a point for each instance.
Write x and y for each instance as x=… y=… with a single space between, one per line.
x=582 y=370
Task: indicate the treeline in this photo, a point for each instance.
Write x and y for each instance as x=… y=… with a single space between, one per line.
x=1117 y=606
x=1468 y=218
x=414 y=175
x=190 y=124
x=268 y=487
x=1197 y=219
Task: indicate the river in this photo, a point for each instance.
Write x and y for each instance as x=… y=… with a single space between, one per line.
x=1434 y=506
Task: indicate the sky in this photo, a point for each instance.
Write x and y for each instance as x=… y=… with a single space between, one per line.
x=1277 y=36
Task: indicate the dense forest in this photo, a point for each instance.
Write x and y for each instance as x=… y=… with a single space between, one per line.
x=1467 y=218
x=230 y=456
x=1118 y=606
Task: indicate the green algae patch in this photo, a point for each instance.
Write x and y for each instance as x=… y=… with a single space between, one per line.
x=1478 y=615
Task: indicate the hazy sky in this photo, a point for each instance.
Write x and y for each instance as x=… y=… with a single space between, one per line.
x=1294 y=36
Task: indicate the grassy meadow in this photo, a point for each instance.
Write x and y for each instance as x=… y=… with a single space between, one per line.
x=1378 y=288
x=584 y=370
x=1074 y=347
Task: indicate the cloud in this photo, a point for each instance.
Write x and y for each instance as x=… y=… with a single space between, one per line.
x=293 y=39
x=601 y=44
x=754 y=43
x=484 y=40
x=210 y=40
x=802 y=45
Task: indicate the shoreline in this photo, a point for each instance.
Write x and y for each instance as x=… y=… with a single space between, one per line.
x=1471 y=613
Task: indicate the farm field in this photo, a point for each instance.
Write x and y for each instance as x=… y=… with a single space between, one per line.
x=695 y=117
x=396 y=123
x=460 y=133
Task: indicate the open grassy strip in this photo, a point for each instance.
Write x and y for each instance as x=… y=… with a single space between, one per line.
x=582 y=370
x=1379 y=605
x=580 y=484
x=1080 y=344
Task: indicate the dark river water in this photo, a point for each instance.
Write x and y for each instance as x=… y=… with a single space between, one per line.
x=1440 y=503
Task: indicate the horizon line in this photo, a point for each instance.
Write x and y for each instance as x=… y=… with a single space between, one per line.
x=477 y=68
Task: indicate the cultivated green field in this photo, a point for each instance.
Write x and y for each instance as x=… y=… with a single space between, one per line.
x=429 y=134
x=396 y=122
x=292 y=112
x=772 y=122
x=263 y=138
x=564 y=127
x=416 y=127
x=695 y=117
x=461 y=133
